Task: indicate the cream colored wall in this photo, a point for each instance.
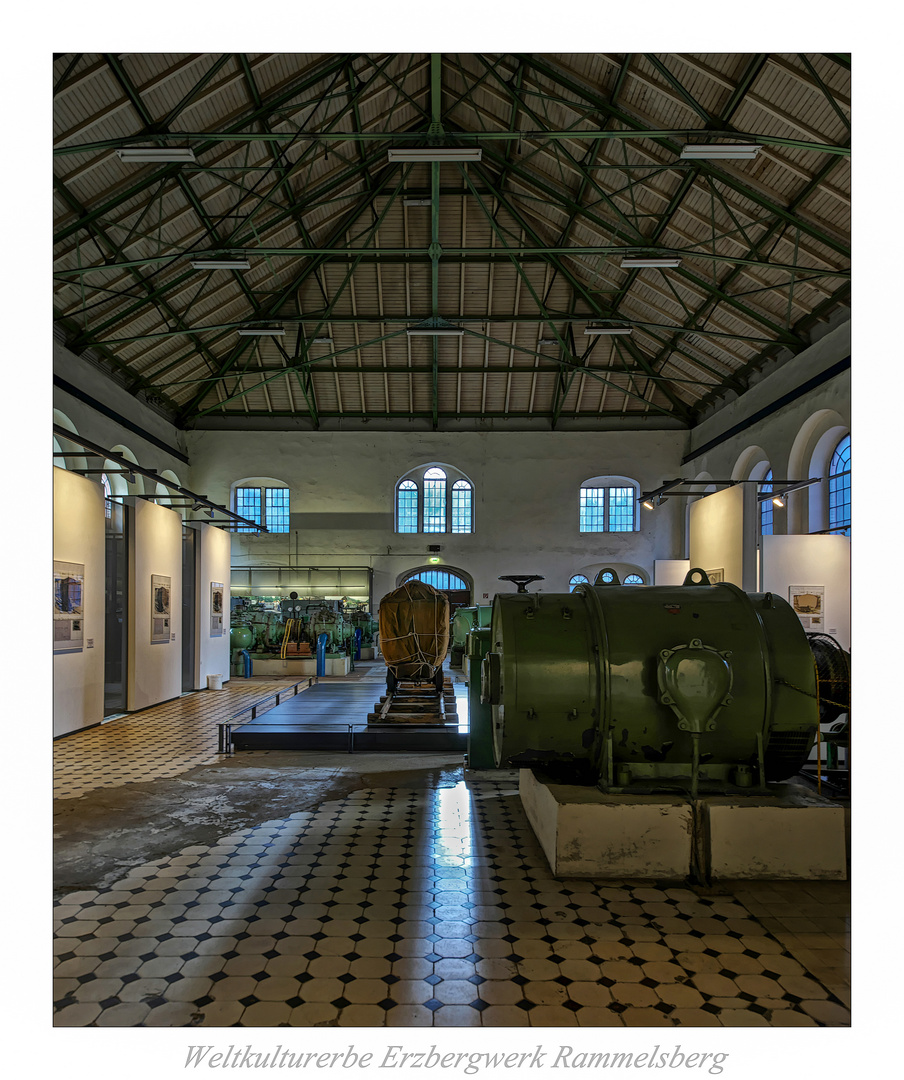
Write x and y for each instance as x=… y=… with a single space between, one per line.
x=211 y=653
x=155 y=547
x=720 y=527
x=78 y=536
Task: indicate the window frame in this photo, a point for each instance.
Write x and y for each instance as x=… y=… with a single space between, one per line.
x=839 y=483
x=766 y=507
x=451 y=514
x=608 y=484
x=262 y=490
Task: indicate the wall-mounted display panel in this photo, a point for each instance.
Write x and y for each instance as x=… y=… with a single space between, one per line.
x=217 y=591
x=68 y=606
x=809 y=603
x=161 y=607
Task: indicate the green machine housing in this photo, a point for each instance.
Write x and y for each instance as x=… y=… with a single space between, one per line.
x=464 y=621
x=652 y=688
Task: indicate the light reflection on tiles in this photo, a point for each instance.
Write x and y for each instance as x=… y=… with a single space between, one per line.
x=408 y=907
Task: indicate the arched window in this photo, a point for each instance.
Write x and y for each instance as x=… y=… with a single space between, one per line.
x=440 y=579
x=434 y=499
x=578 y=579
x=608 y=504
x=266 y=502
x=766 y=505
x=633 y=579
x=108 y=495
x=840 y=488
x=407 y=507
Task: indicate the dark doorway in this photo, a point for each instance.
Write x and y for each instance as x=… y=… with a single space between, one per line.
x=116 y=585
x=189 y=591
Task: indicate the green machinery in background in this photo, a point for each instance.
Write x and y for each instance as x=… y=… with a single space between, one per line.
x=649 y=689
x=481 y=754
x=464 y=620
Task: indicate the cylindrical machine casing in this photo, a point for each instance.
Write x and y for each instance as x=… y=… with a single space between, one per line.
x=584 y=676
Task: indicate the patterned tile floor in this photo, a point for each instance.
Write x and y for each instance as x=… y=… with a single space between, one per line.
x=411 y=907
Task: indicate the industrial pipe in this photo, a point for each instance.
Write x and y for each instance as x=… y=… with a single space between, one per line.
x=321 y=653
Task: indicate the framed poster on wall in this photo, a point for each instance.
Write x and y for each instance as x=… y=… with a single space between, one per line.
x=809 y=603
x=68 y=606
x=216 y=608
x=161 y=598
x=715 y=575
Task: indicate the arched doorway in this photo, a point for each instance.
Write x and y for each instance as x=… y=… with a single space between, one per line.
x=455 y=583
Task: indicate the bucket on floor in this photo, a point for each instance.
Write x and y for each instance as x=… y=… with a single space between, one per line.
x=214 y=682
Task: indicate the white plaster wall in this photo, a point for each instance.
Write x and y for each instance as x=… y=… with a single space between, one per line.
x=813 y=560
x=105 y=430
x=720 y=534
x=776 y=433
x=78 y=536
x=155 y=547
x=526 y=499
x=211 y=653
x=670 y=571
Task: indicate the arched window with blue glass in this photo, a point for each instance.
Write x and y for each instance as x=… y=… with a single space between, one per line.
x=578 y=579
x=766 y=505
x=840 y=488
x=434 y=498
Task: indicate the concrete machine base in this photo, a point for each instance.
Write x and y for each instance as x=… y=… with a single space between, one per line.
x=793 y=834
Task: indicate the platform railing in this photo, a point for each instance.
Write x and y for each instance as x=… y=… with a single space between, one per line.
x=224 y=728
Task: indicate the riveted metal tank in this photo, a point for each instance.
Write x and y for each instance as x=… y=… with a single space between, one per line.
x=650 y=688
x=326 y=621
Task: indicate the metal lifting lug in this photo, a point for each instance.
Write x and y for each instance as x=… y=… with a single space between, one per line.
x=529 y=612
x=566 y=613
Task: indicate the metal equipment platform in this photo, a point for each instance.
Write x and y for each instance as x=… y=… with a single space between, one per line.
x=333 y=716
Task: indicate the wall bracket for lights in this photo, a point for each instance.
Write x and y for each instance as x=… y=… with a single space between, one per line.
x=683 y=489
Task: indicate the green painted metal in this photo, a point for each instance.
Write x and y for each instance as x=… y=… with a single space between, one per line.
x=464 y=620
x=654 y=687
x=481 y=754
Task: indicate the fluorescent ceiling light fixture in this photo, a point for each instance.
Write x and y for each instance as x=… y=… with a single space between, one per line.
x=249 y=331
x=437 y=153
x=418 y=202
x=320 y=341
x=220 y=264
x=724 y=151
x=608 y=330
x=158 y=154
x=433 y=331
x=547 y=341
x=631 y=261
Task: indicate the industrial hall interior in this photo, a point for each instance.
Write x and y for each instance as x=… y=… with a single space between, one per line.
x=451 y=540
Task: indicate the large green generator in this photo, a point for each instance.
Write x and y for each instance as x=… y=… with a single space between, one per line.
x=649 y=689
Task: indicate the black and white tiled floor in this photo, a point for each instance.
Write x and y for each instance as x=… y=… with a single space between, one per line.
x=412 y=907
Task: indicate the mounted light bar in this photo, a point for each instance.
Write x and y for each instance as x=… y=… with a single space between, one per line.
x=608 y=330
x=253 y=331
x=436 y=153
x=547 y=341
x=717 y=151
x=320 y=341
x=220 y=264
x=417 y=202
x=158 y=154
x=648 y=503
x=630 y=262
x=433 y=331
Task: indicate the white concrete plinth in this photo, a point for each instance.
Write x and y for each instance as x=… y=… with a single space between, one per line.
x=585 y=833
x=796 y=836
x=793 y=834
x=367 y=652
x=337 y=665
